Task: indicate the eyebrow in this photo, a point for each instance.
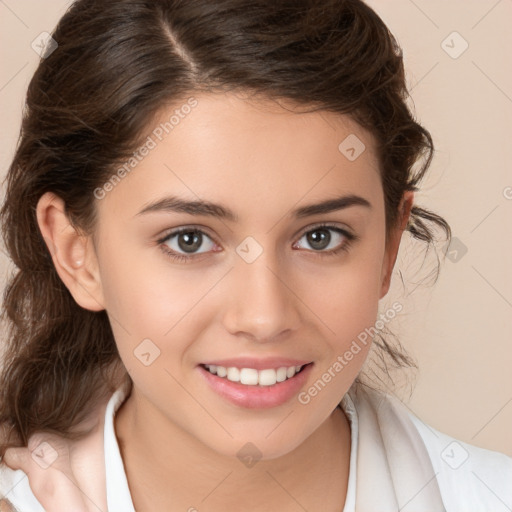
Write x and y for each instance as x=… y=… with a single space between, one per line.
x=176 y=204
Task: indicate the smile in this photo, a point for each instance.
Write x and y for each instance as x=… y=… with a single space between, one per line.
x=255 y=388
x=253 y=377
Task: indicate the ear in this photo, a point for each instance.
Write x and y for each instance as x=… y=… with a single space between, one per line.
x=393 y=244
x=73 y=254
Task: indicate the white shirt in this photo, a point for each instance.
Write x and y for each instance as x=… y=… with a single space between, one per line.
x=397 y=462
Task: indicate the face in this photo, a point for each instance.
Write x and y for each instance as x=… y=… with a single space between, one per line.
x=261 y=281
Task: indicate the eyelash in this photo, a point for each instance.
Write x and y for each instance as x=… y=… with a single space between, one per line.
x=350 y=238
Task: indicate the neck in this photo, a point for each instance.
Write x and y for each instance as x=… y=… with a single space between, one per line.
x=167 y=468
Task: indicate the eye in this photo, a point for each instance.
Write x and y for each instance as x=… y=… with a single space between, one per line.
x=327 y=239
x=184 y=243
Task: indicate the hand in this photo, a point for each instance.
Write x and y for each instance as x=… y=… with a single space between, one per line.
x=65 y=475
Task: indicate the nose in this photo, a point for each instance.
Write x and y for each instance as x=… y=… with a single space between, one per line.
x=262 y=305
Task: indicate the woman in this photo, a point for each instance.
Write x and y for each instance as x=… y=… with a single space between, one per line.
x=205 y=208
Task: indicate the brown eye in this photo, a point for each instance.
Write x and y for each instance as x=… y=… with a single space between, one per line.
x=319 y=238
x=326 y=239
x=188 y=241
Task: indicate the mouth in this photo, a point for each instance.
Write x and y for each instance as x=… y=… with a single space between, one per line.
x=254 y=377
x=255 y=388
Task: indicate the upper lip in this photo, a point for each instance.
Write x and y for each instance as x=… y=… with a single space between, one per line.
x=257 y=364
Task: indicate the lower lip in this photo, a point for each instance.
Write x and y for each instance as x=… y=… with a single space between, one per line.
x=257 y=397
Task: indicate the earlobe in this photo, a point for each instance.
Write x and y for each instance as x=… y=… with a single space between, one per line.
x=72 y=253
x=393 y=244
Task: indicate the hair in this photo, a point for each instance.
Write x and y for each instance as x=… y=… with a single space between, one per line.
x=117 y=64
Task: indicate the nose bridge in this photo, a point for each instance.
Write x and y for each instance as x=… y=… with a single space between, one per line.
x=260 y=305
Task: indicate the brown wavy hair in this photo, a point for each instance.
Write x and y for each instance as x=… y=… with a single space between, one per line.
x=117 y=64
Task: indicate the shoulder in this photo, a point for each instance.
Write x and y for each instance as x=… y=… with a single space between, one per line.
x=468 y=477
x=478 y=476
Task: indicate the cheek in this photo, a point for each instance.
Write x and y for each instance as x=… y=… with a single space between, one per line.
x=348 y=294
x=142 y=289
x=346 y=300
x=148 y=298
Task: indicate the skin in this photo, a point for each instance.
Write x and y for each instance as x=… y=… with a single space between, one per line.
x=75 y=480
x=179 y=440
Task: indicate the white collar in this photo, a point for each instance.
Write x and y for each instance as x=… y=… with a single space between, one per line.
x=118 y=492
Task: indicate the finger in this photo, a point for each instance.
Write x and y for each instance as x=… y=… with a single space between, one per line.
x=17 y=458
x=6 y=506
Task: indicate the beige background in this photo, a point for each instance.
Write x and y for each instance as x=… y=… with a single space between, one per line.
x=459 y=329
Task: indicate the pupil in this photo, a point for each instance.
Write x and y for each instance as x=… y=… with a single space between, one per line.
x=319 y=239
x=190 y=241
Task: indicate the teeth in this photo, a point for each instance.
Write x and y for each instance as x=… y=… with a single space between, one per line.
x=252 y=377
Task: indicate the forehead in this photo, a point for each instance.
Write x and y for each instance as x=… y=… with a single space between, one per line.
x=247 y=124
x=248 y=153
